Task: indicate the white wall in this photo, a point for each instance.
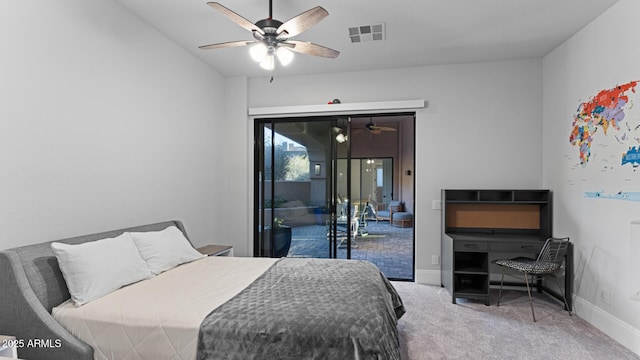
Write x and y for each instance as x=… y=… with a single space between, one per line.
x=236 y=200
x=104 y=124
x=482 y=128
x=599 y=57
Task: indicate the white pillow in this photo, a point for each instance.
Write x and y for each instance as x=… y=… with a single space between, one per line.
x=165 y=249
x=97 y=268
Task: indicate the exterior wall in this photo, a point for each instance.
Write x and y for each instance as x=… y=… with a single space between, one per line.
x=290 y=190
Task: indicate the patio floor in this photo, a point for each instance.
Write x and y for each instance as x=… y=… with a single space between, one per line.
x=389 y=247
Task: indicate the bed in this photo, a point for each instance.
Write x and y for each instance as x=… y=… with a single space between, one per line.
x=209 y=308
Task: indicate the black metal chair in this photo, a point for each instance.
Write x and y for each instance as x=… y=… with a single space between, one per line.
x=549 y=263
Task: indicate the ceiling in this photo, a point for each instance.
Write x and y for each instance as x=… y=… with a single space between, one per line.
x=418 y=32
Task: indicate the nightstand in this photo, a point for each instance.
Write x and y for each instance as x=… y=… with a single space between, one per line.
x=216 y=250
x=8 y=347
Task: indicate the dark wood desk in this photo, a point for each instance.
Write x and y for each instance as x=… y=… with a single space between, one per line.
x=483 y=225
x=468 y=262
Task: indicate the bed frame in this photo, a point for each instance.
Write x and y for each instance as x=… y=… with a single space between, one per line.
x=31 y=284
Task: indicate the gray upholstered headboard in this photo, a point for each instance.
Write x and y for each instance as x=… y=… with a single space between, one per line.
x=31 y=284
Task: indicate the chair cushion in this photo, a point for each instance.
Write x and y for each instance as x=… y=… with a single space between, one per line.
x=402 y=215
x=529 y=265
x=394 y=204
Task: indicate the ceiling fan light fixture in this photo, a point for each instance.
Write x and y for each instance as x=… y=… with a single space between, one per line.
x=258 y=51
x=285 y=56
x=273 y=36
x=268 y=63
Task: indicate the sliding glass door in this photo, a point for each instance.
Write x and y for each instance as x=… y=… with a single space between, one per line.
x=324 y=185
x=299 y=209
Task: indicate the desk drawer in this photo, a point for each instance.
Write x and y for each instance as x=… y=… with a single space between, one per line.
x=470 y=246
x=517 y=248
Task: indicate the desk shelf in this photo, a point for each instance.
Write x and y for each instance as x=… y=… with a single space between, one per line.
x=471 y=271
x=461 y=196
x=471 y=262
x=496 y=196
x=471 y=284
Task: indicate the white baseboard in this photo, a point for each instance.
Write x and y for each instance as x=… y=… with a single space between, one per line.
x=428 y=277
x=615 y=328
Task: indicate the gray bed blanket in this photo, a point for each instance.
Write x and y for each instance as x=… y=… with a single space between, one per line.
x=307 y=309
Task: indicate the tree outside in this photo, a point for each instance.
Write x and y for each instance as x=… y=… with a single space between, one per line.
x=289 y=165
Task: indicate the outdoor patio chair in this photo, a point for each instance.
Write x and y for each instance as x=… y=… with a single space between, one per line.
x=342 y=233
x=343 y=227
x=394 y=206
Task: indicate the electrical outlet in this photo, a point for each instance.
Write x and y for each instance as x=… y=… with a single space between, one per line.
x=436 y=204
x=435 y=260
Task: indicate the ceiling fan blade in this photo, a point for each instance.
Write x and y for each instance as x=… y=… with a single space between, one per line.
x=384 y=128
x=225 y=45
x=305 y=47
x=376 y=132
x=235 y=17
x=302 y=22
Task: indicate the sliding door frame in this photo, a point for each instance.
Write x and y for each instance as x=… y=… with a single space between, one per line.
x=292 y=114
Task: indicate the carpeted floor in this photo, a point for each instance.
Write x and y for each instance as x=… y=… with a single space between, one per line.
x=434 y=328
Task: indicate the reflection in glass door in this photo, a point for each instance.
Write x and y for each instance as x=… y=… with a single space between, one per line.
x=296 y=198
x=371 y=182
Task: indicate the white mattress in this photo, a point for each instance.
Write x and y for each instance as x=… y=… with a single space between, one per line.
x=159 y=318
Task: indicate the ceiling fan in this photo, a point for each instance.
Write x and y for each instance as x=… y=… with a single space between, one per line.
x=272 y=37
x=375 y=129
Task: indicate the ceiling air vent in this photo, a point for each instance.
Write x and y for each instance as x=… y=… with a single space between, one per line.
x=364 y=33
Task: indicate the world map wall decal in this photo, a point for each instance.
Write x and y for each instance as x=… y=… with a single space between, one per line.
x=606 y=131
